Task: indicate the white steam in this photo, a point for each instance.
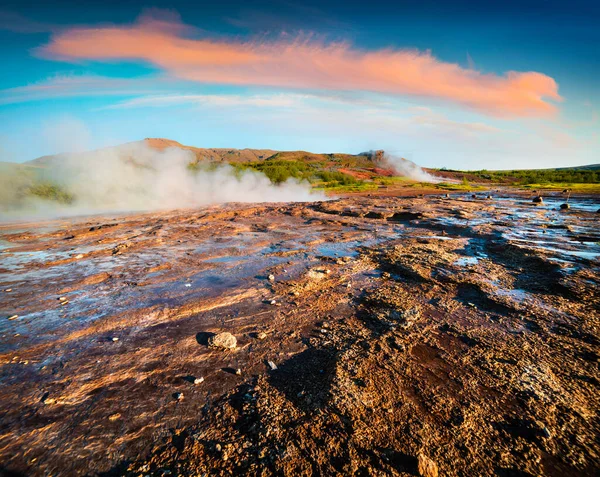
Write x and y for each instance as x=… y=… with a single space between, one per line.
x=400 y=166
x=136 y=177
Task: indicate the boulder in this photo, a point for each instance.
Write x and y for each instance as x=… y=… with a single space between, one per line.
x=223 y=340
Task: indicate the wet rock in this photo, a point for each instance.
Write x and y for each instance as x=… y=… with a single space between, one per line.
x=13 y=317
x=272 y=365
x=426 y=466
x=538 y=199
x=114 y=339
x=79 y=256
x=565 y=206
x=223 y=340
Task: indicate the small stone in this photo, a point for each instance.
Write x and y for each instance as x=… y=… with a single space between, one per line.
x=14 y=317
x=271 y=278
x=218 y=447
x=272 y=365
x=427 y=467
x=261 y=335
x=79 y=256
x=223 y=340
x=188 y=285
x=565 y=206
x=198 y=380
x=62 y=298
x=538 y=199
x=64 y=302
x=178 y=396
x=114 y=417
x=238 y=372
x=273 y=302
x=8 y=290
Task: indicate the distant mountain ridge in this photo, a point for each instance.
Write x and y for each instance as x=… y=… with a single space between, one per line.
x=232 y=155
x=201 y=154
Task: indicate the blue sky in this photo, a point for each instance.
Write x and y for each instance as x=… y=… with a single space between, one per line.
x=446 y=84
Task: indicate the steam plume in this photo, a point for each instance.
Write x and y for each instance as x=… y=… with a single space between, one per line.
x=135 y=177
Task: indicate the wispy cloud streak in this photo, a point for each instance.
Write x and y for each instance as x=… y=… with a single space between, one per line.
x=304 y=63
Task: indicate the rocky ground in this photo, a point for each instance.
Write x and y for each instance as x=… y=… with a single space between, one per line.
x=370 y=336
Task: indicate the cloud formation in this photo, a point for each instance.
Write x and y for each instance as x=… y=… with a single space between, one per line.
x=303 y=63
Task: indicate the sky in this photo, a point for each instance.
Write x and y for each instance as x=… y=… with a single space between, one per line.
x=456 y=84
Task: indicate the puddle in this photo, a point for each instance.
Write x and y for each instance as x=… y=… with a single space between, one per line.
x=466 y=261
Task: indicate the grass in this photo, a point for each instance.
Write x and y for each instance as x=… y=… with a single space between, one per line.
x=534 y=176
x=52 y=192
x=564 y=185
x=455 y=187
x=392 y=180
x=358 y=187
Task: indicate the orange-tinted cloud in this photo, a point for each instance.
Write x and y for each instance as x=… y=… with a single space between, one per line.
x=304 y=63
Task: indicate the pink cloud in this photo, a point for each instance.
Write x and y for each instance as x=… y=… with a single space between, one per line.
x=306 y=64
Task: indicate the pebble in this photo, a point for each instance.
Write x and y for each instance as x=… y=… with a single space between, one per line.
x=198 y=380
x=178 y=396
x=565 y=206
x=272 y=365
x=62 y=298
x=188 y=285
x=8 y=290
x=273 y=302
x=115 y=339
x=14 y=317
x=271 y=278
x=261 y=335
x=238 y=372
x=79 y=256
x=223 y=340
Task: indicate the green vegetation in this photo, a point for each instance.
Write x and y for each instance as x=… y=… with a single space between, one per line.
x=315 y=172
x=455 y=187
x=564 y=185
x=49 y=191
x=391 y=180
x=534 y=176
